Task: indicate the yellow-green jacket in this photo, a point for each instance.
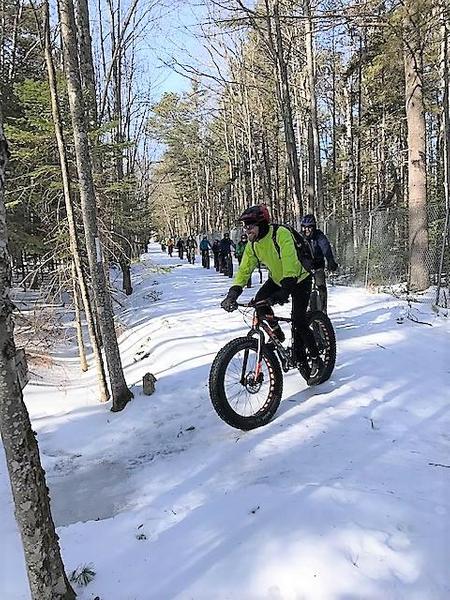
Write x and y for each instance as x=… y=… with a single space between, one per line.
x=285 y=264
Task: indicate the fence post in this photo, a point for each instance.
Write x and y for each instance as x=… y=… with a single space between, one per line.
x=445 y=241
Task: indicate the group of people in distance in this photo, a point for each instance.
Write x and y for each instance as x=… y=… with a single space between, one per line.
x=221 y=249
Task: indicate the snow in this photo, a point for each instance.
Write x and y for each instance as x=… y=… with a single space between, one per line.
x=345 y=494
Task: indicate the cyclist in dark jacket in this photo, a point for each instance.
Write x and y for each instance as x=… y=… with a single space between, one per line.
x=225 y=250
x=239 y=253
x=180 y=247
x=216 y=254
x=191 y=247
x=287 y=277
x=240 y=247
x=204 y=249
x=321 y=250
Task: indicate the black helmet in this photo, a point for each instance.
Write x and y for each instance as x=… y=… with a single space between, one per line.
x=226 y=235
x=256 y=214
x=308 y=221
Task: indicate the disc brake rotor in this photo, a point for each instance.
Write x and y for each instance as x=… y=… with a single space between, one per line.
x=253 y=383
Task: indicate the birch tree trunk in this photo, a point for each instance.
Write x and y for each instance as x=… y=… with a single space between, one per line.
x=120 y=393
x=415 y=116
x=45 y=568
x=13 y=50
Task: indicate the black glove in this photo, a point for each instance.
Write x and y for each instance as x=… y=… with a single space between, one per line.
x=229 y=303
x=332 y=266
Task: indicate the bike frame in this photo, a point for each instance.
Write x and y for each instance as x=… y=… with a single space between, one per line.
x=258 y=328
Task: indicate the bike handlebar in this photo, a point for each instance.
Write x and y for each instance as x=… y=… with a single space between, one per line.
x=253 y=304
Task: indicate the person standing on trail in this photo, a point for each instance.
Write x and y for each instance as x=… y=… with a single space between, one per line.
x=321 y=250
x=225 y=251
x=276 y=249
x=216 y=254
x=191 y=248
x=170 y=246
x=180 y=247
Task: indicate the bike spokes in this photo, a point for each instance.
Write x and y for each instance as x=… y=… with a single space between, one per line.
x=247 y=383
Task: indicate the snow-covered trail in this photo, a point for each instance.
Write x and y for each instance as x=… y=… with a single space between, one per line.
x=345 y=494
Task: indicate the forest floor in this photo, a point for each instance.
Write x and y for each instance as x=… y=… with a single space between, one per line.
x=344 y=495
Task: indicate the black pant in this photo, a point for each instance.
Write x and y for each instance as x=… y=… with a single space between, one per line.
x=302 y=335
x=205 y=259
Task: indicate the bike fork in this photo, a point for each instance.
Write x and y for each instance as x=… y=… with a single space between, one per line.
x=260 y=335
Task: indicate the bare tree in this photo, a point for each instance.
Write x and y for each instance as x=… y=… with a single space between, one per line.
x=73 y=236
x=316 y=167
x=45 y=568
x=120 y=392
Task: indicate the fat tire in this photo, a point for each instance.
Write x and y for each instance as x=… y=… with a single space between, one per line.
x=330 y=355
x=217 y=390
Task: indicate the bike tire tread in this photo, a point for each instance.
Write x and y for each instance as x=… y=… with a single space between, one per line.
x=325 y=374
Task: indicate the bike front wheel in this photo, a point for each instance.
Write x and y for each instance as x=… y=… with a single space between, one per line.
x=244 y=395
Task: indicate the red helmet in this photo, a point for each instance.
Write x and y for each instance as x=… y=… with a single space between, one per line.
x=256 y=214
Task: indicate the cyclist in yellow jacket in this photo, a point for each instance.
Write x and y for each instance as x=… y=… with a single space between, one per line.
x=287 y=277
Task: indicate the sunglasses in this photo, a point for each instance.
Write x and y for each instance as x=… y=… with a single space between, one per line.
x=250 y=225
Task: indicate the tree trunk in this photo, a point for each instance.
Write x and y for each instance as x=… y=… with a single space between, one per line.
x=349 y=155
x=86 y=61
x=316 y=176
x=13 y=49
x=45 y=568
x=78 y=324
x=445 y=72
x=415 y=116
x=120 y=393
x=284 y=99
x=73 y=236
x=126 y=276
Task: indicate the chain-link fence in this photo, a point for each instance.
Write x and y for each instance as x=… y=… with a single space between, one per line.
x=373 y=249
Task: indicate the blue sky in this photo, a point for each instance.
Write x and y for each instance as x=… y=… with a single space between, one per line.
x=175 y=38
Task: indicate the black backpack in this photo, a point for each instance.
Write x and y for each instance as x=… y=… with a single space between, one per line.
x=304 y=251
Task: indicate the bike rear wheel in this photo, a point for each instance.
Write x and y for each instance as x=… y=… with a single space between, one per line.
x=240 y=397
x=325 y=337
